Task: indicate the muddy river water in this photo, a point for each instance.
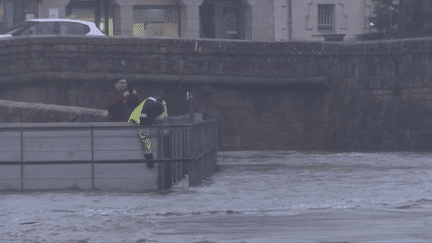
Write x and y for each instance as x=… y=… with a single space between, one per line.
x=256 y=196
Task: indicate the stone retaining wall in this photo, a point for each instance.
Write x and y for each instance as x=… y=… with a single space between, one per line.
x=362 y=96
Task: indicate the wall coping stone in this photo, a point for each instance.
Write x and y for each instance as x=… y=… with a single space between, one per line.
x=323 y=81
x=79 y=111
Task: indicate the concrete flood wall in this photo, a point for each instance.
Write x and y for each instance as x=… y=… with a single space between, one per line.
x=72 y=142
x=347 y=96
x=111 y=177
x=105 y=156
x=378 y=98
x=79 y=72
x=24 y=112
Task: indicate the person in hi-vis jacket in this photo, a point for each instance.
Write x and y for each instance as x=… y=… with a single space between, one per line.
x=146 y=114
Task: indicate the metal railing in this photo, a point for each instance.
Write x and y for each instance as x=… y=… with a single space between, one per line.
x=182 y=148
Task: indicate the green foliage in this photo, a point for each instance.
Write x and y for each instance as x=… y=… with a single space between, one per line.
x=385 y=19
x=413 y=18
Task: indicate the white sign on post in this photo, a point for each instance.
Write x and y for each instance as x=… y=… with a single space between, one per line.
x=53 y=13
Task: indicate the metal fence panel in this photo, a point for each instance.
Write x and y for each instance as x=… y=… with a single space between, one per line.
x=189 y=150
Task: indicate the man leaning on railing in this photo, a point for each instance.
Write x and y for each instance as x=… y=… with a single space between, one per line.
x=146 y=114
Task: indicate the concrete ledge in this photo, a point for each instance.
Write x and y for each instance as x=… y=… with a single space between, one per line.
x=23 y=112
x=323 y=81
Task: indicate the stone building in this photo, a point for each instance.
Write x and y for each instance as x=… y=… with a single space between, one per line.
x=311 y=19
x=259 y=20
x=226 y=19
x=11 y=13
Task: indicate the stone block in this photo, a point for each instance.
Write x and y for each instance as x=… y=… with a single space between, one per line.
x=123 y=41
x=44 y=39
x=37 y=48
x=17 y=50
x=75 y=64
x=66 y=48
x=72 y=40
x=424 y=67
x=235 y=68
x=384 y=69
x=61 y=54
x=4 y=43
x=142 y=42
x=99 y=41
x=240 y=113
x=19 y=41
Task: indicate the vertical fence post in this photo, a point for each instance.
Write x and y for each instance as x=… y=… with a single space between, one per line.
x=184 y=155
x=160 y=155
x=190 y=98
x=92 y=154
x=22 y=157
x=190 y=155
x=179 y=155
x=173 y=155
x=161 y=172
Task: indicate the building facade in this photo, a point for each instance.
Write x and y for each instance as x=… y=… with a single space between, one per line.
x=311 y=19
x=258 y=20
x=11 y=13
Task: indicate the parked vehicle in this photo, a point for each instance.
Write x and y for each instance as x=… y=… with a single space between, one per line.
x=54 y=27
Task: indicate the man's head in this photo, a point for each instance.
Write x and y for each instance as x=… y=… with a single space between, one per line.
x=121 y=85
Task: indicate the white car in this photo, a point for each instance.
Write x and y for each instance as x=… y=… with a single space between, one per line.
x=55 y=27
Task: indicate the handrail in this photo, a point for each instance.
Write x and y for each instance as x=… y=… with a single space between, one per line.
x=132 y=161
x=54 y=126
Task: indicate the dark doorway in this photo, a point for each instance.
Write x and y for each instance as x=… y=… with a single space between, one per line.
x=222 y=19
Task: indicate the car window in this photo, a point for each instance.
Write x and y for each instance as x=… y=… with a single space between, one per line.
x=43 y=28
x=19 y=29
x=73 y=29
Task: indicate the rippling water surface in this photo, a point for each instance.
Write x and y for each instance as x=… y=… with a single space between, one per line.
x=255 y=197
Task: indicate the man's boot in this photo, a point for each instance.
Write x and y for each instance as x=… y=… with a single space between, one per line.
x=149 y=157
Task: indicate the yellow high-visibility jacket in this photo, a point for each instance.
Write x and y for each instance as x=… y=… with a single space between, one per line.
x=135 y=116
